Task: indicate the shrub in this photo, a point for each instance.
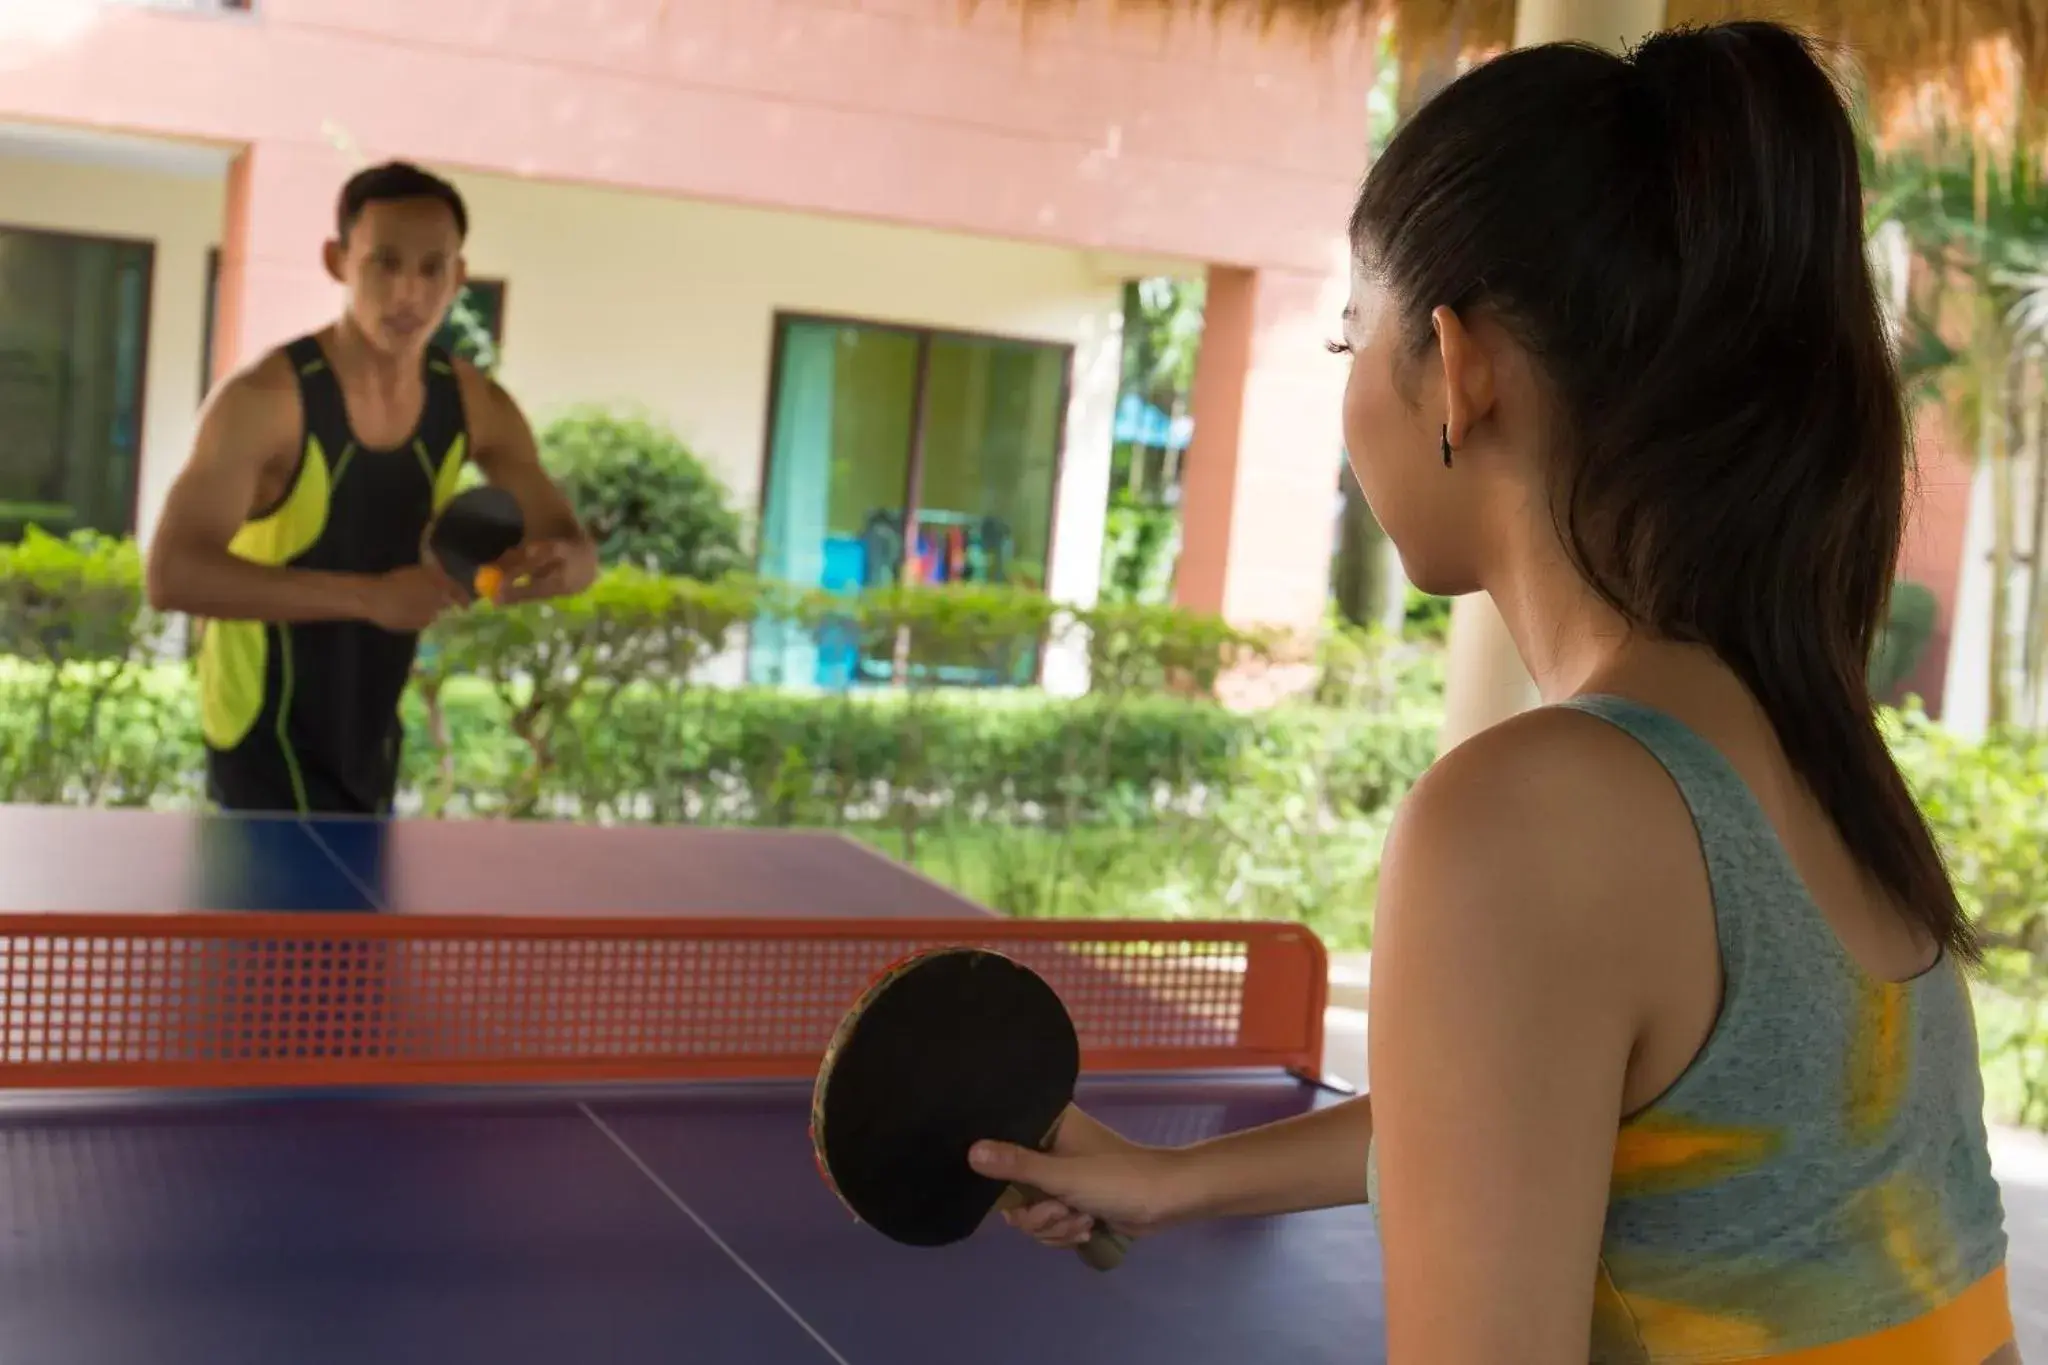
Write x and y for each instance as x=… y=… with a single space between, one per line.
x=1140 y=548
x=647 y=499
x=1903 y=638
x=555 y=664
x=77 y=709
x=1427 y=617
x=1145 y=797
x=1988 y=806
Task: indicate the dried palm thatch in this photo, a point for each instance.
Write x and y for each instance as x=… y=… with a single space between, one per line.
x=1980 y=65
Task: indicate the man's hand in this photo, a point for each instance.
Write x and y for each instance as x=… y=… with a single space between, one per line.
x=410 y=599
x=550 y=567
x=558 y=559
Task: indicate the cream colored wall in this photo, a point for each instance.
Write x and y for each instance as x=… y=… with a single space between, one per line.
x=180 y=212
x=670 y=306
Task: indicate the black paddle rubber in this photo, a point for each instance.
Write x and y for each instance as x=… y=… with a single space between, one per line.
x=945 y=1049
x=476 y=528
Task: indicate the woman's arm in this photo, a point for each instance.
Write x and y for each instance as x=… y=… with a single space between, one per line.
x=1507 y=997
x=1314 y=1160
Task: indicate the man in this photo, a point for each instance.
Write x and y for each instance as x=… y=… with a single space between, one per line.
x=296 y=529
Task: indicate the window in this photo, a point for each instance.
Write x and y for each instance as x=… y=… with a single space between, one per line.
x=894 y=454
x=74 y=318
x=475 y=326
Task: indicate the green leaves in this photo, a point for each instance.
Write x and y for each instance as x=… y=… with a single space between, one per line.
x=74 y=635
x=72 y=598
x=647 y=499
x=1903 y=638
x=1145 y=797
x=1988 y=807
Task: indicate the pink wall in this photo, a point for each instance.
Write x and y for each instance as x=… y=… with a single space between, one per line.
x=280 y=208
x=1122 y=133
x=1260 y=493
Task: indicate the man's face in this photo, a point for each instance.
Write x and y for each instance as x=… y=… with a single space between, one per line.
x=401 y=266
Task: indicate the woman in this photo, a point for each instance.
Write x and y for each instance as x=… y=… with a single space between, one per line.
x=1672 y=1057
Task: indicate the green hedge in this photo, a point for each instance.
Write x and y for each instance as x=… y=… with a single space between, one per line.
x=1158 y=805
x=757 y=756
x=1988 y=805
x=1145 y=797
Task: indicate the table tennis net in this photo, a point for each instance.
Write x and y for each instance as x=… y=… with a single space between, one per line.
x=251 y=1000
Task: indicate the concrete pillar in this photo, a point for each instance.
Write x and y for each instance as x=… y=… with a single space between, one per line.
x=1259 y=499
x=1938 y=528
x=280 y=210
x=1485 y=682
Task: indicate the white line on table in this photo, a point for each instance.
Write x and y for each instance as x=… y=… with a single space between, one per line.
x=707 y=1230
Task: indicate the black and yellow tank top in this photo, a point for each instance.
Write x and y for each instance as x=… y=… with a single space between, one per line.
x=304 y=716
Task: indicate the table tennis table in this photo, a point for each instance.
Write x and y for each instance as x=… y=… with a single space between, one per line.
x=276 y=1090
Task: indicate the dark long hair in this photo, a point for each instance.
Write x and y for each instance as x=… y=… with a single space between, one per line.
x=1677 y=237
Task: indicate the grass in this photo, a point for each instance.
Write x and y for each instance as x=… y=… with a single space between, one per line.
x=1163 y=872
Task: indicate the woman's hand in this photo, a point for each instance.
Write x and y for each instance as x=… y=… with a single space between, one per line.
x=1314 y=1160
x=1092 y=1174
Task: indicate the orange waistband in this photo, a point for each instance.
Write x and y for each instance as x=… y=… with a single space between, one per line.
x=1964 y=1331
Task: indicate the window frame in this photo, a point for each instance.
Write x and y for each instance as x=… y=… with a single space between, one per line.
x=783 y=319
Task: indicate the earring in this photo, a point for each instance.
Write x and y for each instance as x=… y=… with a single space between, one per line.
x=1447 y=445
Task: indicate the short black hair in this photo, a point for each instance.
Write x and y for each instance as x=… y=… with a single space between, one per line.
x=392 y=181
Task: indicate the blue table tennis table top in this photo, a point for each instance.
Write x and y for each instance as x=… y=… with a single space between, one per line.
x=615 y=1225
x=73 y=859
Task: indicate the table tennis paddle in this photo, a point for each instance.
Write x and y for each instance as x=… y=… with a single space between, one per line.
x=472 y=533
x=945 y=1048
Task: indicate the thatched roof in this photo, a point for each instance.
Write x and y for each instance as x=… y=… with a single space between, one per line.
x=1923 y=60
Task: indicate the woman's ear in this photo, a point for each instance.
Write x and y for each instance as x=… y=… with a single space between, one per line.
x=1467 y=374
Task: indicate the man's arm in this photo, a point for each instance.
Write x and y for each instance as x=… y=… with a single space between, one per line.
x=558 y=558
x=243 y=424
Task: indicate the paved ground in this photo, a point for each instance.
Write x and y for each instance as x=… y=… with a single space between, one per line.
x=2020 y=1158
x=1344 y=1046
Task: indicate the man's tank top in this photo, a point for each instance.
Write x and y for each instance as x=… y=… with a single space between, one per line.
x=305 y=715
x=1816 y=1187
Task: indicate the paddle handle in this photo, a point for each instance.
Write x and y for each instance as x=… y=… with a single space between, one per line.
x=1104 y=1249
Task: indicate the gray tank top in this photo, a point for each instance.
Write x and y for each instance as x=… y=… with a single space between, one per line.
x=1820 y=1171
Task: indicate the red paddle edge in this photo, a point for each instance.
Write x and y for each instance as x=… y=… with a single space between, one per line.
x=880 y=982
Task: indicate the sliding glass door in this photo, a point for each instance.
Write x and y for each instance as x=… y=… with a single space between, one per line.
x=901 y=455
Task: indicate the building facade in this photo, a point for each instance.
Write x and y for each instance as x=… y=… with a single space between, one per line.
x=865 y=256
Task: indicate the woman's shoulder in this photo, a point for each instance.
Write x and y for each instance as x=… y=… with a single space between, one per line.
x=1551 y=787
x=1554 y=837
